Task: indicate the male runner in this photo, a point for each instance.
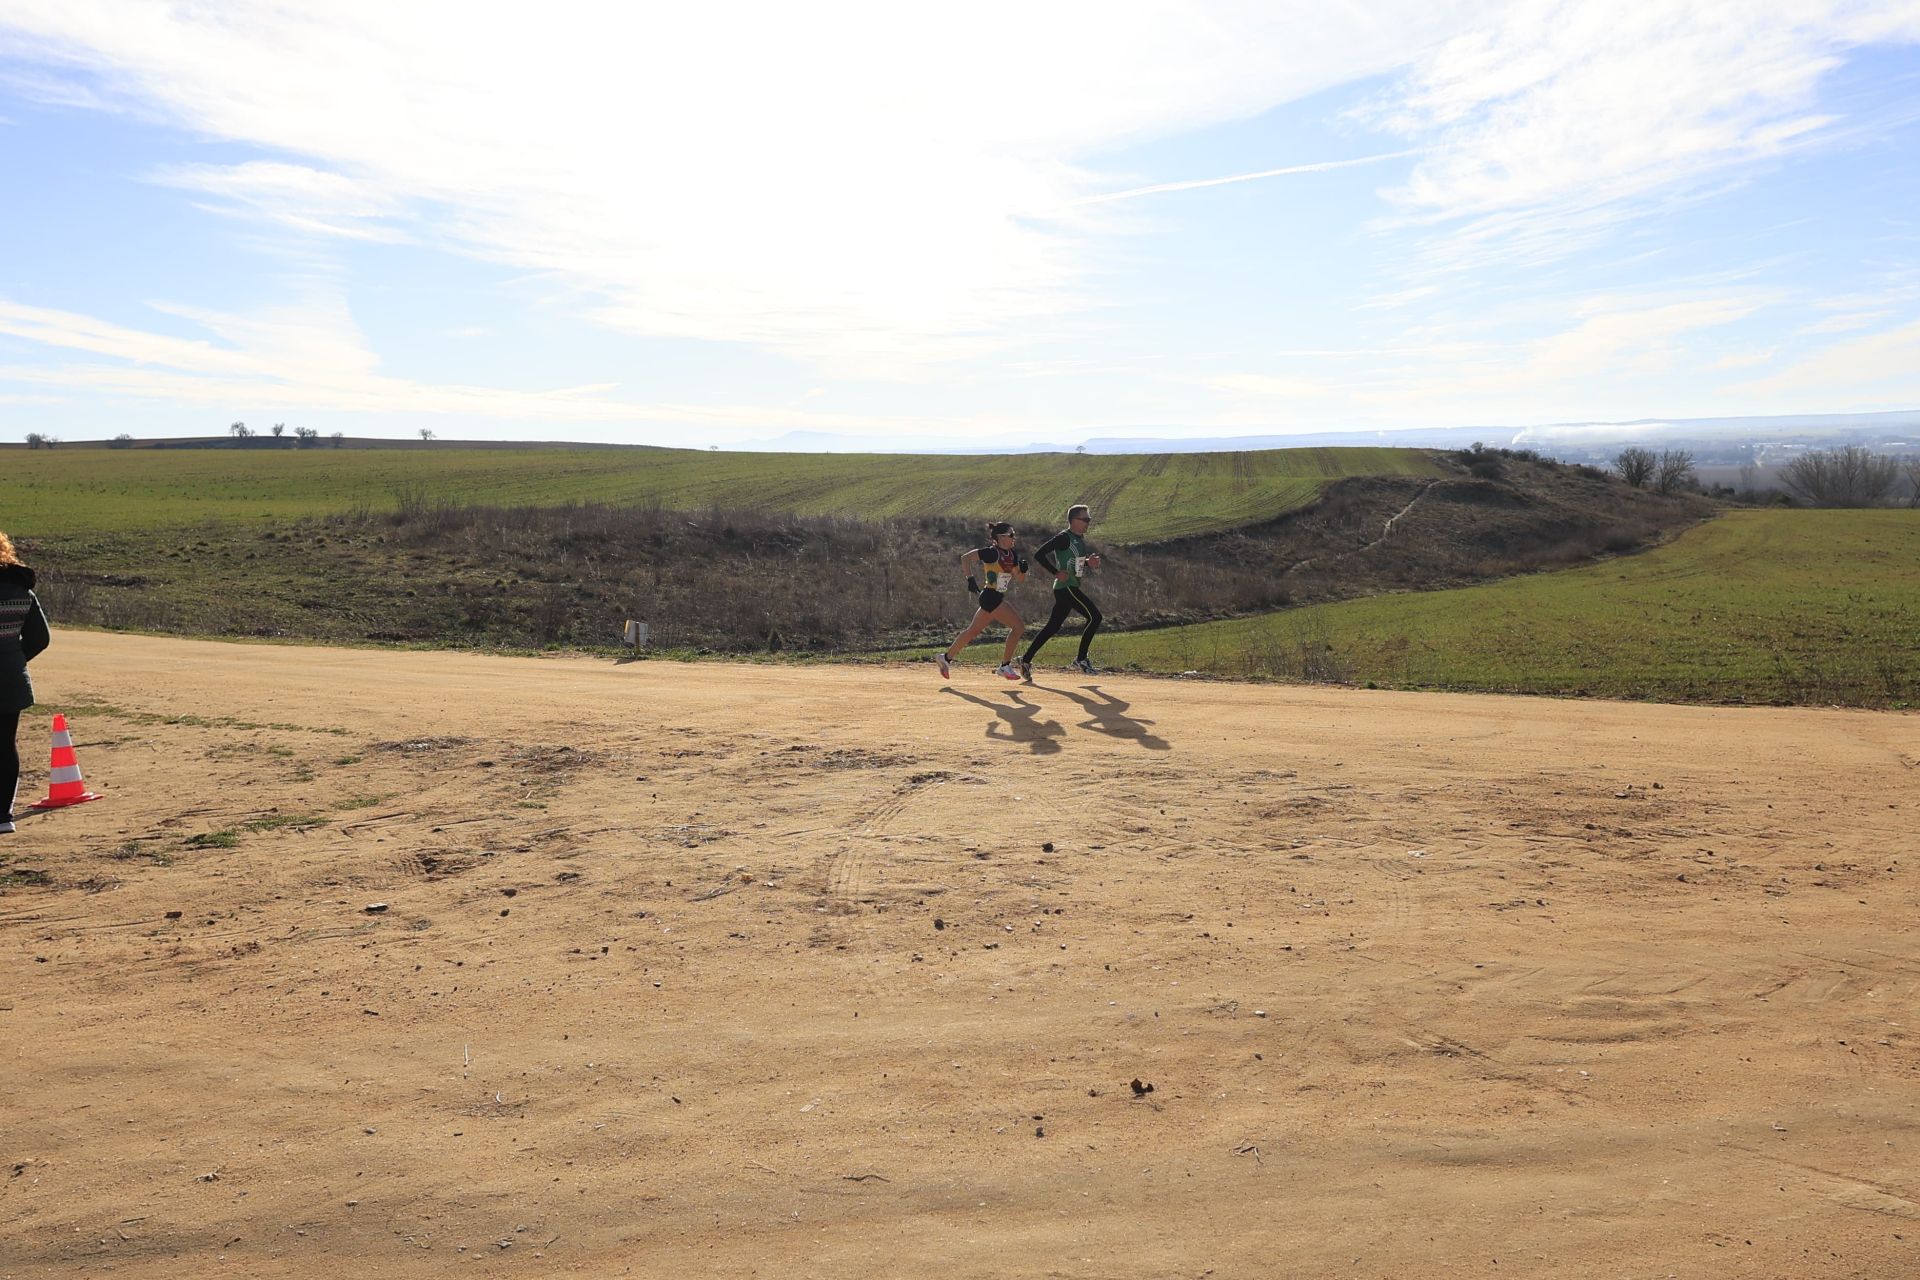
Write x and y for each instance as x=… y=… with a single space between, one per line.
x=1066 y=556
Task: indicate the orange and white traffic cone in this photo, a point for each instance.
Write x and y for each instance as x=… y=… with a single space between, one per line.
x=65 y=786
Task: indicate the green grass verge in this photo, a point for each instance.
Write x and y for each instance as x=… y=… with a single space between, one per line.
x=1756 y=606
x=1138 y=497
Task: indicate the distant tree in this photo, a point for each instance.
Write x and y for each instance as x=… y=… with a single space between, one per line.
x=1912 y=468
x=240 y=431
x=121 y=441
x=1675 y=471
x=52 y=441
x=426 y=433
x=36 y=440
x=1487 y=464
x=1852 y=476
x=306 y=435
x=339 y=438
x=1636 y=466
x=1079 y=448
x=279 y=429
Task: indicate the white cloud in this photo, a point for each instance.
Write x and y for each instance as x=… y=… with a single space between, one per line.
x=1560 y=118
x=1845 y=322
x=1640 y=340
x=853 y=184
x=304 y=198
x=1603 y=358
x=310 y=356
x=1267 y=386
x=1875 y=368
x=1744 y=359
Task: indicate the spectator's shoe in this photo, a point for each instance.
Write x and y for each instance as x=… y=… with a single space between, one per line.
x=1010 y=671
x=1026 y=671
x=946 y=668
x=1084 y=667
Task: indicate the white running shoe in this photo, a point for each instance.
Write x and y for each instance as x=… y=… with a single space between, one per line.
x=1010 y=671
x=946 y=668
x=6 y=826
x=1084 y=667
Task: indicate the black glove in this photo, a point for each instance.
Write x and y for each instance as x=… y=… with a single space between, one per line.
x=1023 y=564
x=973 y=587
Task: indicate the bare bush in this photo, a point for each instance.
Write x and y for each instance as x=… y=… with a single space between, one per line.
x=1852 y=476
x=1636 y=466
x=65 y=599
x=1298 y=649
x=1675 y=472
x=1911 y=468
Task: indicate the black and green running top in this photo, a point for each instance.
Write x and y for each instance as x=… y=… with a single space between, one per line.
x=1065 y=552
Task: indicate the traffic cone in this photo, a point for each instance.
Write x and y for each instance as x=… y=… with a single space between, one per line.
x=65 y=785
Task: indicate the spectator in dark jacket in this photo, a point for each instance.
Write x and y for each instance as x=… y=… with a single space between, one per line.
x=23 y=634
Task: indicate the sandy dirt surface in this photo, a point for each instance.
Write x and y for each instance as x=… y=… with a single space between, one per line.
x=722 y=971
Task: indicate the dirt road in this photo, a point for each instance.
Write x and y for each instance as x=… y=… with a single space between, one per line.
x=726 y=971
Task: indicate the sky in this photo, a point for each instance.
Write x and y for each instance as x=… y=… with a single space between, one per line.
x=876 y=225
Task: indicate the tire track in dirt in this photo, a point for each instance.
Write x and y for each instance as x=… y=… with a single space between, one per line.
x=849 y=881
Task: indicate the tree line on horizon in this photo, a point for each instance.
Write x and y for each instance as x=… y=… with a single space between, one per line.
x=304 y=437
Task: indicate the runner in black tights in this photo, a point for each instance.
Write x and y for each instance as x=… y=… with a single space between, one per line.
x=1066 y=556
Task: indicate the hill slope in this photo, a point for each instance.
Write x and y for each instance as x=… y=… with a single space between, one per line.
x=1139 y=498
x=1802 y=606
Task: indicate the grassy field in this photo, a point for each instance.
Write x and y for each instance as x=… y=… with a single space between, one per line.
x=1756 y=606
x=1139 y=497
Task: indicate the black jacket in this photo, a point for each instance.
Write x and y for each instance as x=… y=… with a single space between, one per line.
x=23 y=634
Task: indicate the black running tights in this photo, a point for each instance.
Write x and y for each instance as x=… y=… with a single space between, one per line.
x=1067 y=601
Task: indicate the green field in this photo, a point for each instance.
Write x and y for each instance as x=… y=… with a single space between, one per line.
x=1756 y=606
x=1138 y=497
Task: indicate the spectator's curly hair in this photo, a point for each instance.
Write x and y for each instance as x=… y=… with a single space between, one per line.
x=6 y=551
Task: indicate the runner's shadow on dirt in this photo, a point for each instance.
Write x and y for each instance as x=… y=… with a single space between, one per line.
x=1019 y=722
x=1108 y=714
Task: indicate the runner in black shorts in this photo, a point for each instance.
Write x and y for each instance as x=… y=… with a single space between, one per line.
x=1065 y=555
x=1003 y=566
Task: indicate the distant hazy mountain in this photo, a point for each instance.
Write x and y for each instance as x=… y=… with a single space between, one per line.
x=1893 y=429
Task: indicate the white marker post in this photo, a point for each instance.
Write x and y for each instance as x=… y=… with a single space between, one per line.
x=635 y=636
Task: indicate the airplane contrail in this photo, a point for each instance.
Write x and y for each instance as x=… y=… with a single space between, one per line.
x=1321 y=167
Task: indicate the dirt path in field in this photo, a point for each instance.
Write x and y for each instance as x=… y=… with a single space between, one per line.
x=729 y=971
